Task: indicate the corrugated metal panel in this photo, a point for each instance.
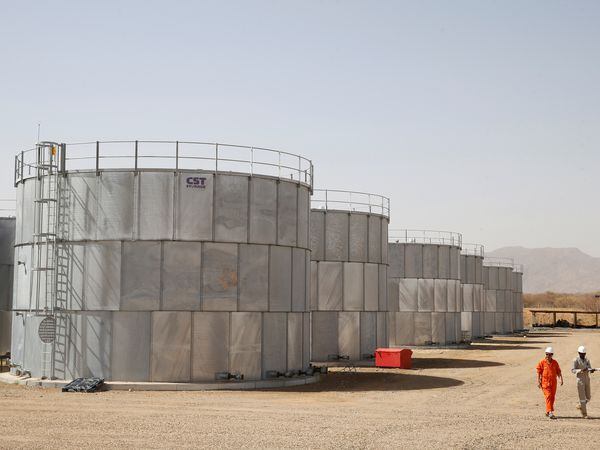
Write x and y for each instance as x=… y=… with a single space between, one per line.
x=324 y=335
x=5 y=331
x=303 y=216
x=426 y=289
x=131 y=346
x=413 y=260
x=98 y=344
x=299 y=279
x=371 y=302
x=274 y=351
x=245 y=350
x=444 y=261
x=219 y=277
x=368 y=333
x=294 y=341
x=317 y=235
x=263 y=211
x=408 y=294
x=354 y=288
x=254 y=277
x=115 y=206
x=384 y=240
x=330 y=286
x=438 y=327
x=280 y=279
x=440 y=295
x=102 y=268
x=358 y=243
x=396 y=260
x=454 y=263
x=383 y=292
x=171 y=346
x=375 y=239
x=430 y=261
x=287 y=213
x=349 y=334
x=140 y=276
x=405 y=328
x=210 y=344
x=194 y=210
x=422 y=328
x=336 y=236
x=155 y=211
x=82 y=210
x=181 y=276
x=231 y=208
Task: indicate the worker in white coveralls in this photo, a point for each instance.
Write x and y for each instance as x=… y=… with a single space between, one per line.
x=582 y=369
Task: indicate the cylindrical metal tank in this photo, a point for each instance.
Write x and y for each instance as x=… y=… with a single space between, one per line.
x=498 y=308
x=424 y=292
x=7 y=241
x=178 y=261
x=517 y=286
x=348 y=238
x=472 y=287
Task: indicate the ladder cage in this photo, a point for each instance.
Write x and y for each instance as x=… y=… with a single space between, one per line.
x=49 y=270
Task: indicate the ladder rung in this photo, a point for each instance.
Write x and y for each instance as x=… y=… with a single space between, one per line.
x=42 y=269
x=44 y=235
x=45 y=200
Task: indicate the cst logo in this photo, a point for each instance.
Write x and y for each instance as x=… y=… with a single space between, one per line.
x=195 y=182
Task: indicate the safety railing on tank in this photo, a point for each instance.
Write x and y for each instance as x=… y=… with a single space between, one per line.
x=8 y=207
x=426 y=237
x=473 y=250
x=175 y=155
x=334 y=199
x=495 y=261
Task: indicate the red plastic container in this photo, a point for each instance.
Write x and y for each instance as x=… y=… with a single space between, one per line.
x=400 y=358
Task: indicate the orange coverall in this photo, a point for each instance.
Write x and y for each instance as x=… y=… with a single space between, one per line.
x=549 y=371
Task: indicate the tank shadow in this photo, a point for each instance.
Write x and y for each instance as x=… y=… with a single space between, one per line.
x=576 y=417
x=451 y=363
x=379 y=380
x=509 y=341
x=501 y=347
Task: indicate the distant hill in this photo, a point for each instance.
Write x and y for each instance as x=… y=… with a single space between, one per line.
x=555 y=269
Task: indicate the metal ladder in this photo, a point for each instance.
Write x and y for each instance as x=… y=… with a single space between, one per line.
x=63 y=261
x=44 y=289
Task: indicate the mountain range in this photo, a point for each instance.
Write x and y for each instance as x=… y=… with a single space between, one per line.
x=567 y=270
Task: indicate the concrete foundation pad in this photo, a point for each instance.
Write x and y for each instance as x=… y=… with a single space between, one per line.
x=152 y=386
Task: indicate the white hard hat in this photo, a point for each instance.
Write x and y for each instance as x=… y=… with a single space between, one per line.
x=549 y=350
x=581 y=349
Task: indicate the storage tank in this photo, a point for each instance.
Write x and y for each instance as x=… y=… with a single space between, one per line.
x=472 y=287
x=499 y=310
x=173 y=261
x=348 y=238
x=517 y=286
x=424 y=288
x=7 y=240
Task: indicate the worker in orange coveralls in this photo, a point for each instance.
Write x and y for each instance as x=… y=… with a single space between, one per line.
x=548 y=371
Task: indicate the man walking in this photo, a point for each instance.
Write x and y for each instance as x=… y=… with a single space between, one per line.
x=582 y=369
x=548 y=371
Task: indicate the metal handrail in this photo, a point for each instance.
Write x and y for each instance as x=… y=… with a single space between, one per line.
x=473 y=250
x=451 y=238
x=340 y=200
x=176 y=155
x=8 y=207
x=518 y=267
x=495 y=261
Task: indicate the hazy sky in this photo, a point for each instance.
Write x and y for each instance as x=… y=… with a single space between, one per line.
x=477 y=116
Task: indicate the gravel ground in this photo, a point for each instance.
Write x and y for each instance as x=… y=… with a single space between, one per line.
x=481 y=397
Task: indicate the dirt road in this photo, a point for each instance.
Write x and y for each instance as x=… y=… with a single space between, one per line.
x=482 y=397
